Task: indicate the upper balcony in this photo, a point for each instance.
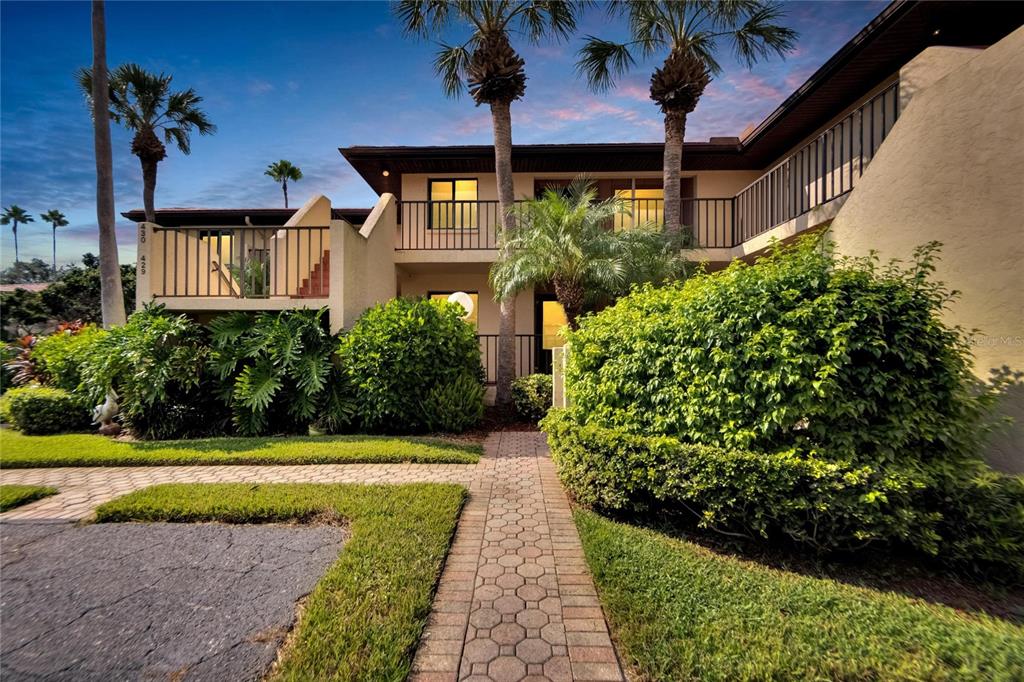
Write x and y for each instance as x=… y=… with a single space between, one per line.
x=802 y=190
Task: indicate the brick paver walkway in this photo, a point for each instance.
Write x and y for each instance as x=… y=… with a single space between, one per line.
x=515 y=601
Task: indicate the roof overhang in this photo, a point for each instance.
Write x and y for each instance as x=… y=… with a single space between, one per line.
x=236 y=217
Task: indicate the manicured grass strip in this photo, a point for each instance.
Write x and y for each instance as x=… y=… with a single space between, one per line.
x=681 y=612
x=12 y=496
x=18 y=451
x=365 y=616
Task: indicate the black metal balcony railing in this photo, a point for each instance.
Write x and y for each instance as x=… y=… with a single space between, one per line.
x=241 y=262
x=821 y=170
x=528 y=359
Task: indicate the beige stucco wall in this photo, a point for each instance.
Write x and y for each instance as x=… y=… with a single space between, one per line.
x=366 y=267
x=420 y=281
x=951 y=171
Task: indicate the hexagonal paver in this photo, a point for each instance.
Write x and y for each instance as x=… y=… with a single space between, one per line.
x=531 y=592
x=530 y=570
x=551 y=605
x=509 y=604
x=532 y=618
x=480 y=651
x=506 y=669
x=508 y=633
x=510 y=560
x=484 y=618
x=533 y=650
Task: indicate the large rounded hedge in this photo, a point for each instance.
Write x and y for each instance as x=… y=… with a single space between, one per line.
x=400 y=354
x=845 y=358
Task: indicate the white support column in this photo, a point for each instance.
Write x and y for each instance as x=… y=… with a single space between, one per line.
x=144 y=265
x=336 y=275
x=559 y=355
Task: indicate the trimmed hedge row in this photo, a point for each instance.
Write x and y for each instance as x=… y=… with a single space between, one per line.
x=37 y=410
x=972 y=517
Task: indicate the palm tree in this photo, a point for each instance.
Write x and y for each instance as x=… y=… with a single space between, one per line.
x=491 y=69
x=56 y=219
x=15 y=215
x=111 y=293
x=691 y=32
x=144 y=103
x=282 y=172
x=563 y=238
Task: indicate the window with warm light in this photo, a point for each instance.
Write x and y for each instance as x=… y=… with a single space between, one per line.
x=646 y=206
x=553 y=319
x=453 y=204
x=474 y=296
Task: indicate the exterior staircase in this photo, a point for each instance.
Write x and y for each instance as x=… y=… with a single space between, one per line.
x=318 y=284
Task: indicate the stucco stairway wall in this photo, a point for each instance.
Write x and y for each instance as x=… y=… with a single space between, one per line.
x=952 y=170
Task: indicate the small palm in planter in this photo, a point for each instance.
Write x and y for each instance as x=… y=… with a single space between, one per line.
x=565 y=238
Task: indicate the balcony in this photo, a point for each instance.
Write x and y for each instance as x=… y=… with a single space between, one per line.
x=265 y=264
x=822 y=170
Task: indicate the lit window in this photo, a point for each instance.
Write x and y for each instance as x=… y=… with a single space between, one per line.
x=552 y=320
x=443 y=296
x=646 y=205
x=453 y=204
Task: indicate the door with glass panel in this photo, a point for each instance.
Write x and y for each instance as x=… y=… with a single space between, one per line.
x=549 y=321
x=453 y=204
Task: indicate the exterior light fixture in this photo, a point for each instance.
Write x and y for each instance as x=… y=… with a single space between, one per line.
x=385 y=173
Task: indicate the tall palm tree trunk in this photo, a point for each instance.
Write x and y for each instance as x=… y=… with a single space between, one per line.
x=111 y=296
x=54 y=250
x=284 y=188
x=14 y=229
x=149 y=189
x=675 y=129
x=501 y=115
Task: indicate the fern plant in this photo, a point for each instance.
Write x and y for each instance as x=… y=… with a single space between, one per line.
x=274 y=368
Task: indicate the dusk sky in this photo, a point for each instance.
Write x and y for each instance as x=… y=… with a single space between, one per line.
x=296 y=80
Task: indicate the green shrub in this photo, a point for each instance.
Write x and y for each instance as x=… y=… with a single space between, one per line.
x=275 y=368
x=59 y=357
x=156 y=364
x=532 y=396
x=455 y=406
x=38 y=410
x=842 y=357
x=973 y=518
x=398 y=352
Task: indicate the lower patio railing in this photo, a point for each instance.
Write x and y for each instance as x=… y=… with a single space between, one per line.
x=241 y=262
x=528 y=359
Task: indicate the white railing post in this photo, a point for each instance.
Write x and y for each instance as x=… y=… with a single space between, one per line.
x=559 y=356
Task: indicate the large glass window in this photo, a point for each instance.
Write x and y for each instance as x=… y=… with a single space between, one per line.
x=552 y=320
x=646 y=205
x=474 y=296
x=453 y=204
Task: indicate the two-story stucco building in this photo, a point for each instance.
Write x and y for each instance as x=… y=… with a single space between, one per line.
x=884 y=112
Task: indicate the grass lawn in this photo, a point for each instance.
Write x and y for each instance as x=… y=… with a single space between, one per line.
x=682 y=612
x=18 y=451
x=364 y=618
x=12 y=496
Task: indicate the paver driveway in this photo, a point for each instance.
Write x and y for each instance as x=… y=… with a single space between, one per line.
x=152 y=601
x=515 y=601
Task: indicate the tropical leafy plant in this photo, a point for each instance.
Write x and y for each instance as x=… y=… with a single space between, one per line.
x=455 y=406
x=397 y=352
x=156 y=366
x=144 y=103
x=490 y=68
x=275 y=368
x=691 y=33
x=15 y=215
x=282 y=171
x=59 y=357
x=565 y=238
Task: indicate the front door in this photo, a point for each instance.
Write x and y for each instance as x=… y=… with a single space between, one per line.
x=548 y=320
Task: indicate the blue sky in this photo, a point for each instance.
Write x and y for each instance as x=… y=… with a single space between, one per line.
x=297 y=80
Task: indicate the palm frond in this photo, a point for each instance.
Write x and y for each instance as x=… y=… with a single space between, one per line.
x=762 y=36
x=601 y=61
x=451 y=63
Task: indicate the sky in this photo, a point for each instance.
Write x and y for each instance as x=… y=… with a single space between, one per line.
x=297 y=80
